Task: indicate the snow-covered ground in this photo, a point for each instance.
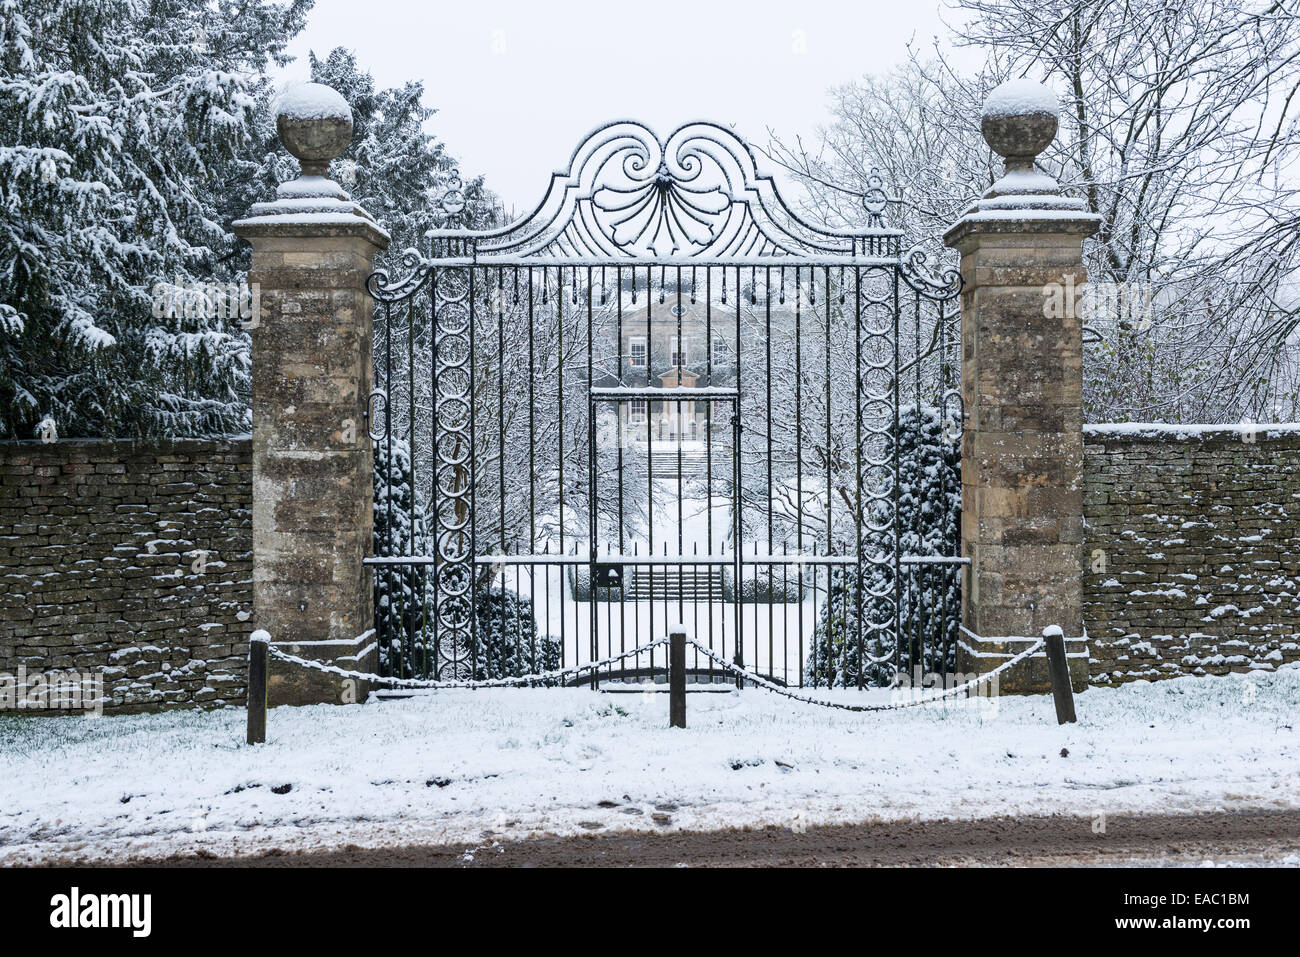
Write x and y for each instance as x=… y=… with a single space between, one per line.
x=776 y=637
x=450 y=766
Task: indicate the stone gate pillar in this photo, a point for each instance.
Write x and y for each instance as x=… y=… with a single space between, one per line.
x=313 y=249
x=1022 y=351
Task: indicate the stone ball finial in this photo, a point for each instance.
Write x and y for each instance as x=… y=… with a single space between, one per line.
x=1019 y=121
x=315 y=125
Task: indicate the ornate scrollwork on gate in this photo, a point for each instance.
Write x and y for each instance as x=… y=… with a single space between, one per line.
x=415 y=271
x=696 y=193
x=663 y=213
x=938 y=286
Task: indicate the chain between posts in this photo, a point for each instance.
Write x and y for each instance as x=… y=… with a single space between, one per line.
x=421 y=683
x=739 y=672
x=846 y=706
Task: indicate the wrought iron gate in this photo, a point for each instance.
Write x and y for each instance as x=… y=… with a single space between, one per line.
x=662 y=396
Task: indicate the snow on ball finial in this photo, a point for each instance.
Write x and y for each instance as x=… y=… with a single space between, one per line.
x=1019 y=121
x=315 y=125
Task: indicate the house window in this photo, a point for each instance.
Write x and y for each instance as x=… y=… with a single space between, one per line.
x=720 y=350
x=637 y=350
x=679 y=353
x=638 y=410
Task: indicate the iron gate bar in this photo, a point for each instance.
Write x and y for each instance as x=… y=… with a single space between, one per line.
x=632 y=558
x=486 y=260
x=624 y=200
x=676 y=397
x=599 y=394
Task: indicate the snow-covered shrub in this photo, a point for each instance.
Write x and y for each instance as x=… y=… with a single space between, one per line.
x=403 y=599
x=929 y=523
x=506 y=643
x=762 y=586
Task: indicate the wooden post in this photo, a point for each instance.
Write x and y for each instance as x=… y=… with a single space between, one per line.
x=257 y=660
x=1060 y=672
x=677 y=677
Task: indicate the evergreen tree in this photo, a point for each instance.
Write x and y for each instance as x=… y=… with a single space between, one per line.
x=118 y=117
x=403 y=603
x=929 y=523
x=506 y=643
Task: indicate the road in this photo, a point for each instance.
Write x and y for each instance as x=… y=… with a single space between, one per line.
x=1263 y=837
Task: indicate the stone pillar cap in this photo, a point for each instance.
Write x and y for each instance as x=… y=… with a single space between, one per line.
x=315 y=125
x=1019 y=121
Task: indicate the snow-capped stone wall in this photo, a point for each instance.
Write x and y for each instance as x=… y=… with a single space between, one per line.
x=131 y=558
x=1193 y=549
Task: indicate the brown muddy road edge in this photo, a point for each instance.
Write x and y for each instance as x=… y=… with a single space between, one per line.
x=1261 y=837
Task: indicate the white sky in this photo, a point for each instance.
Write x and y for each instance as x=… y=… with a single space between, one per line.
x=517 y=85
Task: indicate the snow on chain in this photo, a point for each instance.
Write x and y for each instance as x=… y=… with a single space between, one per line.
x=845 y=706
x=486 y=683
x=731 y=667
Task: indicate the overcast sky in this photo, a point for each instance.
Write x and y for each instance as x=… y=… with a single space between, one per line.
x=517 y=85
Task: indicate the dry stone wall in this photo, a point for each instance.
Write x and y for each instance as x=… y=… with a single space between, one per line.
x=131 y=558
x=136 y=559
x=1193 y=550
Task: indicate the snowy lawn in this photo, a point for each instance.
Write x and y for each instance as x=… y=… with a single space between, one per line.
x=455 y=765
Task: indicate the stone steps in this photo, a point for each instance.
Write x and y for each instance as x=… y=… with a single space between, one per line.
x=673 y=584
